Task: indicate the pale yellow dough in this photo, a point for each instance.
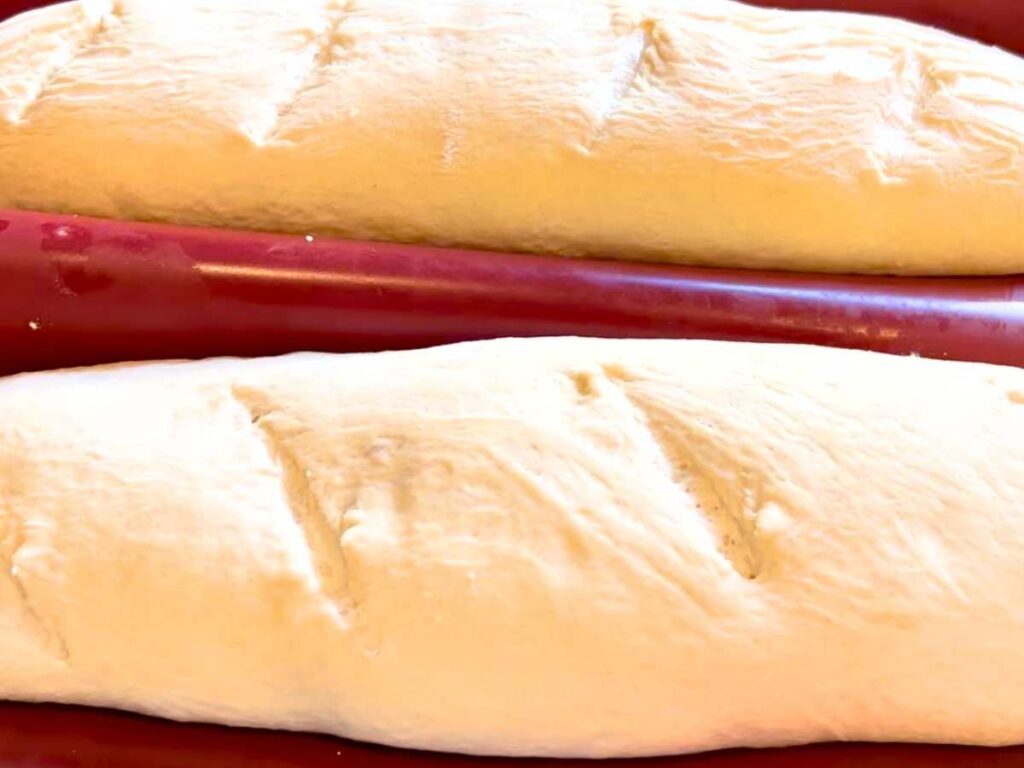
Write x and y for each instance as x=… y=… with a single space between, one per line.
x=548 y=547
x=700 y=131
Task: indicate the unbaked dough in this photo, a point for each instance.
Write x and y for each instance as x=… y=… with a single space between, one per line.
x=699 y=131
x=547 y=547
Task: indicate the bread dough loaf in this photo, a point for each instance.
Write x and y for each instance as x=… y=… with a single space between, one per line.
x=545 y=547
x=699 y=131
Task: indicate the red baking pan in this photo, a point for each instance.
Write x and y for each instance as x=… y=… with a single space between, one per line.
x=996 y=22
x=71 y=737
x=79 y=291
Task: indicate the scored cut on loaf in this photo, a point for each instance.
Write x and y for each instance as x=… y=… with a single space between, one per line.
x=697 y=131
x=546 y=547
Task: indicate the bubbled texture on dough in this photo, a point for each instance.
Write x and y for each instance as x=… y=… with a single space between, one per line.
x=546 y=547
x=699 y=131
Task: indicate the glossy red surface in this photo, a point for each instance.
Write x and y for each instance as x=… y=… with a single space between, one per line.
x=68 y=737
x=80 y=291
x=997 y=22
x=11 y=7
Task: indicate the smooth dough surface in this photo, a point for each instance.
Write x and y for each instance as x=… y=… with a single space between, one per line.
x=545 y=547
x=699 y=131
